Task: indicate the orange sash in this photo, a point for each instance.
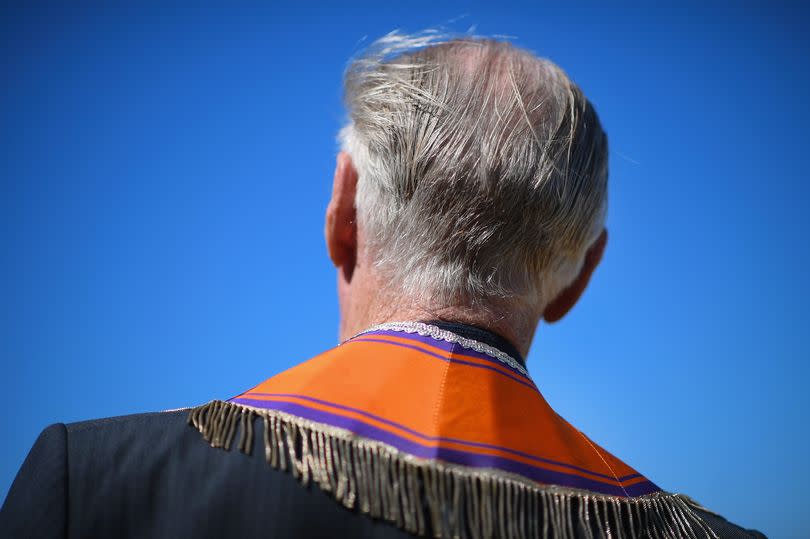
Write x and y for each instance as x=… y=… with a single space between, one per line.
x=434 y=395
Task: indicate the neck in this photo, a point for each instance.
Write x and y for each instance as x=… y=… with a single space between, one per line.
x=513 y=324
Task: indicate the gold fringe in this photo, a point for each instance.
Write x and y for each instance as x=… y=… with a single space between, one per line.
x=413 y=493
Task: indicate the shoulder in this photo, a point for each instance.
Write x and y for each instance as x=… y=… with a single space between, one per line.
x=152 y=475
x=118 y=447
x=36 y=503
x=719 y=526
x=156 y=429
x=722 y=527
x=124 y=454
x=127 y=475
x=124 y=423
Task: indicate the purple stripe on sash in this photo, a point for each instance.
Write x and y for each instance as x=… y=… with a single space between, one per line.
x=441 y=438
x=443 y=345
x=452 y=455
x=519 y=378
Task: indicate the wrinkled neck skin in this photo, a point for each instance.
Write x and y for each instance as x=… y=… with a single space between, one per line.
x=367 y=300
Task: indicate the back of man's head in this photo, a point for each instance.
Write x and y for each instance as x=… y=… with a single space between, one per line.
x=482 y=169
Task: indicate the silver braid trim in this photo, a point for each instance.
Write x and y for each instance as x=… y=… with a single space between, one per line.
x=427 y=330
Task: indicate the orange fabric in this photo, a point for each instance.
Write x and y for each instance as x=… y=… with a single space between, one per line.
x=444 y=399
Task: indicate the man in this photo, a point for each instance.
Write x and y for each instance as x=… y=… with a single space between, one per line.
x=468 y=204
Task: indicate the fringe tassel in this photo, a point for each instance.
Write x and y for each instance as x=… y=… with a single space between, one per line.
x=412 y=493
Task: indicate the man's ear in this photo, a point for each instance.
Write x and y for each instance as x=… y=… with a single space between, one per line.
x=341 y=217
x=566 y=299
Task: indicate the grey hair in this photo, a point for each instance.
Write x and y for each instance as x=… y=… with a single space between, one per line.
x=482 y=169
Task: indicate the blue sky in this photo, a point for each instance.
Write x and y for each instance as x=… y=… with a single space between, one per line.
x=165 y=170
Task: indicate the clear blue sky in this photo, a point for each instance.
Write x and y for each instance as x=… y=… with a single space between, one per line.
x=164 y=172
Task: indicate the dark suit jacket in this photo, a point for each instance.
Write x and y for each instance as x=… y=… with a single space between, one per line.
x=152 y=475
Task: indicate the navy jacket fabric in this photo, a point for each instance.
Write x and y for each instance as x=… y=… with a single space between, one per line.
x=152 y=475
